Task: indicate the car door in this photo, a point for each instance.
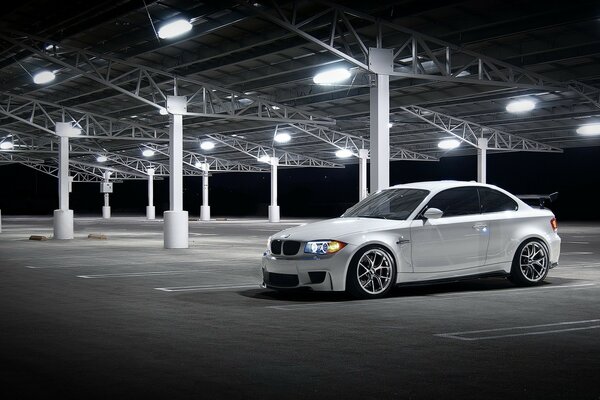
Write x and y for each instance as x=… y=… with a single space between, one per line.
x=456 y=241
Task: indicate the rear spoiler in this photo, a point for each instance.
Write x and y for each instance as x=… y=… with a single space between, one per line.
x=540 y=199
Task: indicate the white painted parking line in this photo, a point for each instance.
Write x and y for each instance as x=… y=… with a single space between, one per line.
x=530 y=330
x=203 y=288
x=151 y=273
x=125 y=265
x=575 y=242
x=576 y=253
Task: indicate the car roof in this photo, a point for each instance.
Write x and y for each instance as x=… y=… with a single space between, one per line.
x=435 y=186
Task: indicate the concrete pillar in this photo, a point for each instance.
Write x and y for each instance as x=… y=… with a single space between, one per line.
x=63 y=217
x=106 y=207
x=274 y=208
x=150 y=210
x=363 y=155
x=380 y=133
x=482 y=145
x=0 y=221
x=176 y=220
x=205 y=207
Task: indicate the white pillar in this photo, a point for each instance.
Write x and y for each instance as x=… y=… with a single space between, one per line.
x=106 y=207
x=176 y=220
x=482 y=145
x=274 y=208
x=150 y=210
x=205 y=207
x=363 y=155
x=380 y=133
x=63 y=217
x=0 y=221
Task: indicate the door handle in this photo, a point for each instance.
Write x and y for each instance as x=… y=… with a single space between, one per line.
x=480 y=227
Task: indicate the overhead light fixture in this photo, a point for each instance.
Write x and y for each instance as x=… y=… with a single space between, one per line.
x=6 y=145
x=44 y=76
x=276 y=108
x=448 y=144
x=589 y=129
x=331 y=76
x=519 y=106
x=283 y=137
x=207 y=145
x=162 y=111
x=102 y=159
x=344 y=153
x=174 y=29
x=264 y=158
x=390 y=124
x=148 y=153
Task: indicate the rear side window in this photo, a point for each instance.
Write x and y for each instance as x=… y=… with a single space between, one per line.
x=495 y=201
x=457 y=201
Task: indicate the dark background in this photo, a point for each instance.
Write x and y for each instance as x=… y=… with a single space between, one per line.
x=318 y=192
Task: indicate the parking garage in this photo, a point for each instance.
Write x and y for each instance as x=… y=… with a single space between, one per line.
x=145 y=168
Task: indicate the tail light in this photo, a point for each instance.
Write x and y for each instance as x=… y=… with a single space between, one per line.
x=554 y=224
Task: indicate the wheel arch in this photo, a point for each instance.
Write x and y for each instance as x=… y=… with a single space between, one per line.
x=372 y=243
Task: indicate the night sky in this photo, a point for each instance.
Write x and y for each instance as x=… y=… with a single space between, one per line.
x=318 y=192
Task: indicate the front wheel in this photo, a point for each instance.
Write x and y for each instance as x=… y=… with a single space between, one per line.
x=371 y=274
x=530 y=264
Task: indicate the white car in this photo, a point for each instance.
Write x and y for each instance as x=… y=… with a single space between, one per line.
x=418 y=232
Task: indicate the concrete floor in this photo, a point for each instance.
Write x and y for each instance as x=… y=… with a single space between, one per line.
x=125 y=318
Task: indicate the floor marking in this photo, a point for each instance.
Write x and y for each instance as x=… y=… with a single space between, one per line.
x=150 y=273
x=401 y=300
x=461 y=335
x=203 y=234
x=575 y=242
x=206 y=287
x=126 y=265
x=576 y=253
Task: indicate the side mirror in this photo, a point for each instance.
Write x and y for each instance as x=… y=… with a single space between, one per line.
x=433 y=213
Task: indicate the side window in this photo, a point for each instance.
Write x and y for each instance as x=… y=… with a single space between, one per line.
x=455 y=202
x=495 y=201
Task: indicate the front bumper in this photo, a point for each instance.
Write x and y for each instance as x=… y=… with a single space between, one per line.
x=319 y=273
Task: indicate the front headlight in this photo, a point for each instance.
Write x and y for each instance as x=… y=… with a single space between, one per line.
x=323 y=247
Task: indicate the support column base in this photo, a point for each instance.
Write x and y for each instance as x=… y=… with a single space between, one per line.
x=63 y=224
x=150 y=212
x=273 y=213
x=204 y=213
x=176 y=229
x=106 y=212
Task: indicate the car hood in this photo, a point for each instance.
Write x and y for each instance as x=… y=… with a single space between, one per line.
x=338 y=228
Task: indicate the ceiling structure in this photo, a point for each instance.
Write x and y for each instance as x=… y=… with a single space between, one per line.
x=247 y=70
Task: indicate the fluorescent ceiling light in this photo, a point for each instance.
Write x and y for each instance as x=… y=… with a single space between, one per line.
x=44 y=76
x=276 y=108
x=6 y=145
x=163 y=111
x=590 y=129
x=174 y=29
x=448 y=144
x=206 y=145
x=520 y=106
x=264 y=158
x=102 y=159
x=343 y=153
x=282 y=137
x=148 y=153
x=331 y=76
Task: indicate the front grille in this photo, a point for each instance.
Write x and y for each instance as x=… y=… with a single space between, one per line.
x=281 y=280
x=276 y=246
x=289 y=247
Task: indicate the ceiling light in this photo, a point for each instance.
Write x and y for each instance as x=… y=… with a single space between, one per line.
x=148 y=153
x=590 y=129
x=102 y=159
x=44 y=76
x=174 y=29
x=162 y=111
x=264 y=158
x=448 y=144
x=276 y=108
x=331 y=76
x=206 y=145
x=390 y=125
x=6 y=145
x=282 y=137
x=520 y=106
x=343 y=153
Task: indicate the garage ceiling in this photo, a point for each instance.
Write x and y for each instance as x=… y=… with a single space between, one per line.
x=247 y=69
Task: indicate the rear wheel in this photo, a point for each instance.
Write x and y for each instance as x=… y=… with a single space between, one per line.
x=371 y=274
x=530 y=264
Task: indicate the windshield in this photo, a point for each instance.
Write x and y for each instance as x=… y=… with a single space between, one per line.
x=388 y=204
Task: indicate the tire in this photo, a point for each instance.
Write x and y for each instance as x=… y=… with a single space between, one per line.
x=530 y=264
x=371 y=273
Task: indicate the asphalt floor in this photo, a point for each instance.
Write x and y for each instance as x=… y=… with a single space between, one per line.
x=126 y=318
